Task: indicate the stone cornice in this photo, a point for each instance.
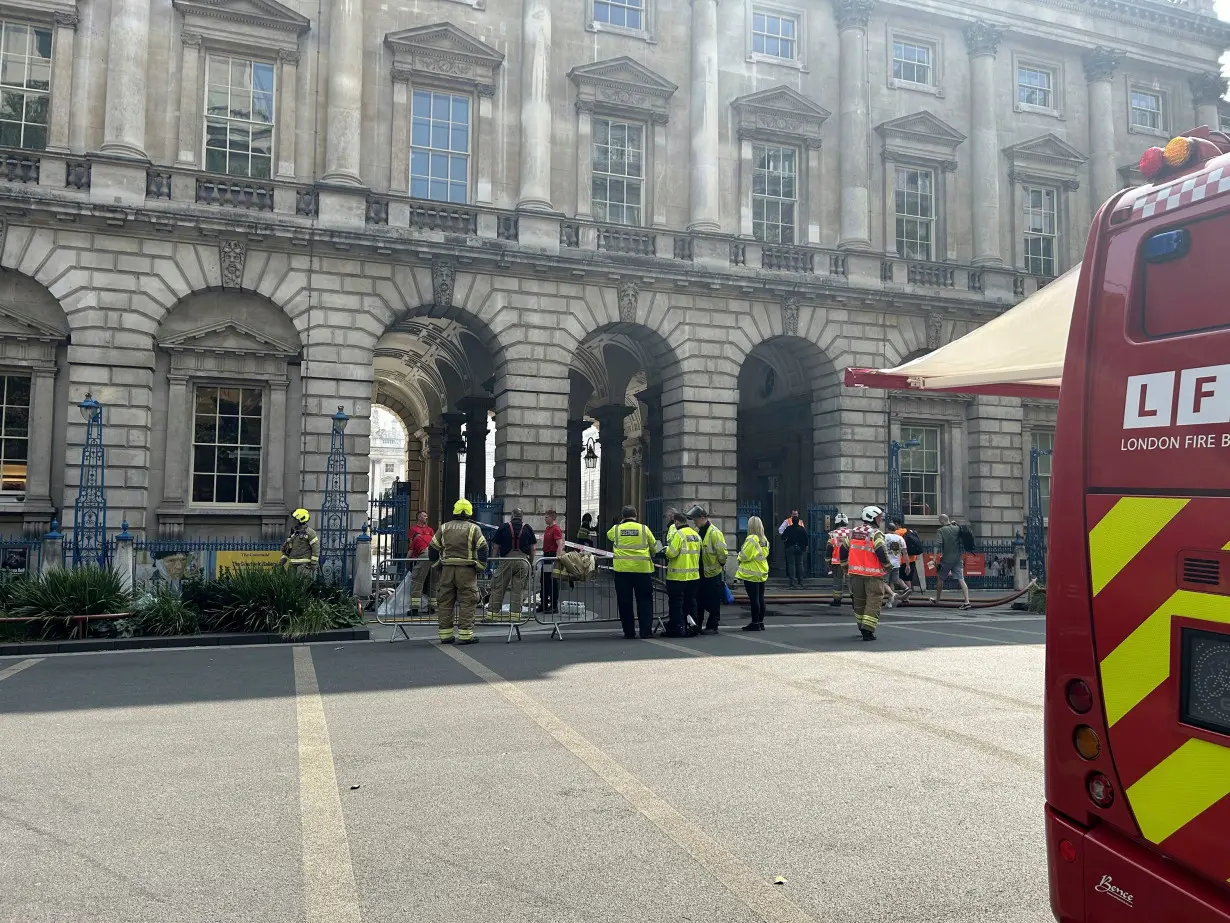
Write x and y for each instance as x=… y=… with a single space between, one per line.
x=265 y=14
x=443 y=53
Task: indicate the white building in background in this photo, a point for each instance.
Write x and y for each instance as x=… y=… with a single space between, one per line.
x=387 y=458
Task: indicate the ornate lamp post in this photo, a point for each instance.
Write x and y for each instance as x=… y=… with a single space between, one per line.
x=1035 y=540
x=591 y=455
x=90 y=510
x=335 y=511
x=894 y=476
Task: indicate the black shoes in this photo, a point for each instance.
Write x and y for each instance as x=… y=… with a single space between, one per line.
x=867 y=635
x=754 y=626
x=448 y=640
x=835 y=602
x=630 y=635
x=471 y=641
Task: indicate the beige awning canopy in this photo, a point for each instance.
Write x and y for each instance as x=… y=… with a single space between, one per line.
x=1020 y=353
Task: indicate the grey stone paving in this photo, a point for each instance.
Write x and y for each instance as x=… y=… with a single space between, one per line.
x=605 y=780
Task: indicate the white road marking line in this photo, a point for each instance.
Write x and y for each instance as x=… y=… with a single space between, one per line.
x=754 y=890
x=330 y=894
x=18 y=667
x=964 y=636
x=895 y=715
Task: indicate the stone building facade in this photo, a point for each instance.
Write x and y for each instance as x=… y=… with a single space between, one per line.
x=678 y=219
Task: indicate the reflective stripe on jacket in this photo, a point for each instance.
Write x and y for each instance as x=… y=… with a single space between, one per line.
x=632 y=544
x=713 y=552
x=683 y=555
x=863 y=559
x=836 y=538
x=459 y=542
x=754 y=560
x=302 y=546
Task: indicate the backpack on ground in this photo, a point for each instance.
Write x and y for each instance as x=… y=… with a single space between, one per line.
x=913 y=542
x=967 y=538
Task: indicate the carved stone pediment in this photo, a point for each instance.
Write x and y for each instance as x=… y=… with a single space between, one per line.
x=227 y=336
x=444 y=54
x=16 y=326
x=920 y=135
x=254 y=23
x=780 y=112
x=1048 y=157
x=623 y=86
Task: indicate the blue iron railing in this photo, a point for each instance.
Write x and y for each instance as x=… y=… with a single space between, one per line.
x=819 y=522
x=999 y=566
x=390 y=532
x=745 y=512
x=488 y=512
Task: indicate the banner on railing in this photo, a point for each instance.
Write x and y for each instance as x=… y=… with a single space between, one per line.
x=230 y=560
x=974 y=565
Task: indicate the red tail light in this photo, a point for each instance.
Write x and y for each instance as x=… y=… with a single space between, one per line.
x=1151 y=162
x=1067 y=851
x=1080 y=697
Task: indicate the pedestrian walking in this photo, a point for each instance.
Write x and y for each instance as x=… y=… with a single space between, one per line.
x=421 y=535
x=585 y=531
x=301 y=550
x=457 y=551
x=713 y=555
x=898 y=589
x=552 y=545
x=514 y=544
x=838 y=536
x=633 y=546
x=913 y=555
x=797 y=540
x=867 y=560
x=951 y=561
x=754 y=571
x=682 y=576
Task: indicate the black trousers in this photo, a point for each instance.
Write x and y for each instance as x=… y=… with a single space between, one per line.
x=636 y=588
x=755 y=597
x=681 y=595
x=710 y=601
x=549 y=600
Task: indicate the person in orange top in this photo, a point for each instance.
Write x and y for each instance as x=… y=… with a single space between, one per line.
x=552 y=545
x=421 y=535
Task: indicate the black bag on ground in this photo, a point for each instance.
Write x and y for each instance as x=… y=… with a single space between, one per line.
x=967 y=538
x=913 y=542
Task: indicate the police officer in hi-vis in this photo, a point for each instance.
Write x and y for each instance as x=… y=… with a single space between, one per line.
x=458 y=550
x=682 y=576
x=633 y=546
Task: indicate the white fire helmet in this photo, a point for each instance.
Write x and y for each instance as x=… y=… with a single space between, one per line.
x=841 y=519
x=872 y=513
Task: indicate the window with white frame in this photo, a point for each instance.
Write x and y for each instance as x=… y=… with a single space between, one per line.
x=913 y=62
x=1035 y=86
x=239 y=116
x=774 y=34
x=775 y=193
x=25 y=85
x=618 y=191
x=1040 y=230
x=440 y=146
x=920 y=470
x=1147 y=109
x=1043 y=440
x=627 y=14
x=226 y=445
x=15 y=429
x=915 y=211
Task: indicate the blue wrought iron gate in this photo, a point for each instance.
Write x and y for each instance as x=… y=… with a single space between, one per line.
x=390 y=532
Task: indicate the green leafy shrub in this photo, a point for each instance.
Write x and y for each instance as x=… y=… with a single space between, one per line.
x=163 y=612
x=8 y=585
x=58 y=595
x=1037 y=599
x=259 y=599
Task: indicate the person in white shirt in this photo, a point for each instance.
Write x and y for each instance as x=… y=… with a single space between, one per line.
x=894 y=544
x=785 y=522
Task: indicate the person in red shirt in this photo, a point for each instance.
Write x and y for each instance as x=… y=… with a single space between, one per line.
x=421 y=535
x=552 y=546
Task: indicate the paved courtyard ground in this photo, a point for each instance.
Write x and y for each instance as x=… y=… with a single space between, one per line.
x=593 y=779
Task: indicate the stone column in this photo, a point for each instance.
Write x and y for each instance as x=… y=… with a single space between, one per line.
x=399 y=156
x=476 y=410
x=179 y=418
x=651 y=399
x=1100 y=67
x=746 y=166
x=704 y=212
x=344 y=115
x=454 y=445
x=432 y=440
x=288 y=91
x=815 y=191
x=982 y=41
x=42 y=415
x=585 y=158
x=855 y=167
x=611 y=461
x=1207 y=91
x=275 y=478
x=61 y=80
x=661 y=167
x=124 y=117
x=189 y=99
x=572 y=496
x=486 y=142
x=536 y=140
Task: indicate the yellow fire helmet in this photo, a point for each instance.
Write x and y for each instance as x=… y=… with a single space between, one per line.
x=463 y=508
x=301 y=515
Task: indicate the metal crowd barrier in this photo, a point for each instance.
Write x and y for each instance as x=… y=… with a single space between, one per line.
x=588 y=601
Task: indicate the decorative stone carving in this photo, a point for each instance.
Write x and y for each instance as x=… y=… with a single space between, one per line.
x=623 y=86
x=935 y=331
x=401 y=74
x=266 y=16
x=286 y=56
x=780 y=113
x=919 y=135
x=853 y=14
x=1102 y=62
x=65 y=18
x=232 y=254
x=443 y=281
x=1208 y=89
x=790 y=315
x=444 y=53
x=982 y=38
x=628 y=294
x=190 y=39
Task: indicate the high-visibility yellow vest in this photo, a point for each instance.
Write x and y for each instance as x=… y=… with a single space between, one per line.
x=713 y=552
x=754 y=560
x=632 y=544
x=683 y=555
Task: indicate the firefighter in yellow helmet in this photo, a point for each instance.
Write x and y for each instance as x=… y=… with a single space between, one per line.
x=301 y=550
x=457 y=551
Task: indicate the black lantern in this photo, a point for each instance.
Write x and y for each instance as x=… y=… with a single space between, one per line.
x=591 y=455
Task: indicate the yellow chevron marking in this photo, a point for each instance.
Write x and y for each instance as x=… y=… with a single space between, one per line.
x=1180 y=788
x=1124 y=532
x=1141 y=662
